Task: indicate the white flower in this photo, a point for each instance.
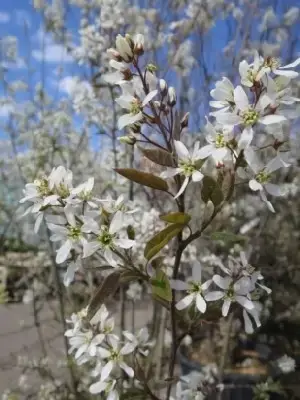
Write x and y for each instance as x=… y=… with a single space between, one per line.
x=121 y=75
x=279 y=91
x=123 y=48
x=84 y=343
x=261 y=175
x=195 y=288
x=83 y=192
x=105 y=325
x=71 y=234
x=114 y=357
x=272 y=64
x=219 y=142
x=70 y=273
x=77 y=322
x=134 y=292
x=105 y=386
x=140 y=340
x=286 y=364
x=232 y=292
x=251 y=73
x=223 y=95
x=254 y=313
x=111 y=206
x=248 y=116
x=188 y=166
x=134 y=100
x=107 y=239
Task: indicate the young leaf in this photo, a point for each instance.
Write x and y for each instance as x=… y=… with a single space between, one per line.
x=211 y=191
x=108 y=288
x=143 y=178
x=158 y=156
x=161 y=286
x=228 y=237
x=160 y=240
x=176 y=218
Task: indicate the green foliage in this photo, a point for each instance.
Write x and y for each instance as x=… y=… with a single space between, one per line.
x=228 y=237
x=143 y=178
x=158 y=156
x=161 y=286
x=161 y=239
x=176 y=218
x=211 y=191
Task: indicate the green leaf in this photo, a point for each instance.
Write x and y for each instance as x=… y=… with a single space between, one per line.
x=211 y=191
x=107 y=289
x=158 y=156
x=228 y=237
x=130 y=275
x=161 y=286
x=176 y=218
x=143 y=178
x=161 y=239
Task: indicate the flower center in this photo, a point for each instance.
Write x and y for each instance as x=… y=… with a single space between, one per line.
x=62 y=190
x=263 y=177
x=250 y=116
x=195 y=287
x=272 y=63
x=42 y=187
x=114 y=355
x=88 y=337
x=220 y=140
x=74 y=232
x=135 y=106
x=105 y=238
x=85 y=195
x=187 y=168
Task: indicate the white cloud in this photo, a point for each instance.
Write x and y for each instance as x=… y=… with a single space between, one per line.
x=53 y=53
x=4 y=17
x=5 y=110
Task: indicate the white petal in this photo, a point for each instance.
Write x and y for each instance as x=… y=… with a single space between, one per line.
x=243 y=301
x=268 y=203
x=222 y=282
x=197 y=176
x=108 y=255
x=185 y=302
x=106 y=370
x=205 y=151
x=90 y=248
x=183 y=187
x=149 y=97
x=214 y=296
x=246 y=137
x=116 y=223
x=63 y=252
x=69 y=275
x=129 y=371
x=169 y=173
x=181 y=150
x=98 y=387
x=272 y=189
x=124 y=243
x=292 y=65
x=225 y=307
x=200 y=302
x=248 y=324
x=129 y=119
x=38 y=222
x=240 y=98
x=272 y=119
x=254 y=185
x=127 y=349
x=206 y=284
x=176 y=284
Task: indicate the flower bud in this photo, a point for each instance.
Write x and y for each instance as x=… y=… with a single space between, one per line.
x=151 y=68
x=185 y=120
x=114 y=54
x=139 y=45
x=163 y=87
x=171 y=96
x=135 y=128
x=130 y=232
x=130 y=139
x=124 y=48
x=129 y=40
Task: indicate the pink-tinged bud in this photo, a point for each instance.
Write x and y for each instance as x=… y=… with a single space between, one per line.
x=163 y=87
x=114 y=54
x=171 y=96
x=220 y=165
x=124 y=48
x=139 y=45
x=185 y=120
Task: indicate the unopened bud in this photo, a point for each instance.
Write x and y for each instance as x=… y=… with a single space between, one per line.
x=139 y=45
x=114 y=54
x=163 y=87
x=135 y=128
x=171 y=96
x=185 y=120
x=151 y=68
x=130 y=139
x=124 y=48
x=129 y=40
